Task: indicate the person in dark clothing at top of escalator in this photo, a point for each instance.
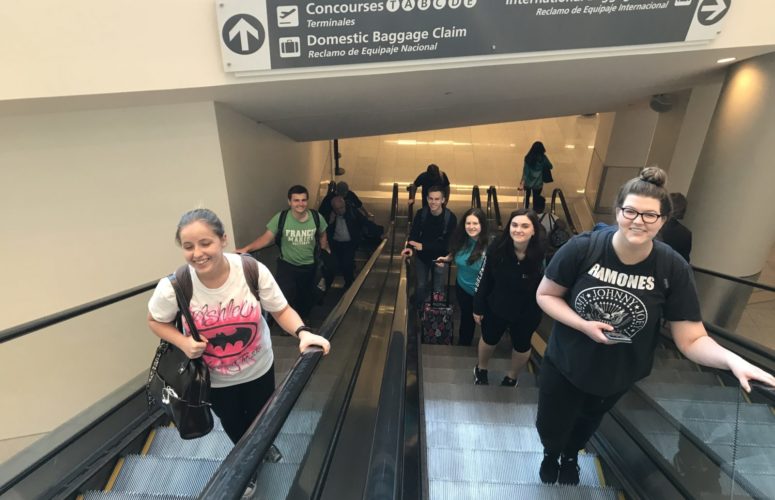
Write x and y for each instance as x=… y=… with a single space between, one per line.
x=505 y=293
x=431 y=229
x=432 y=176
x=532 y=180
x=675 y=234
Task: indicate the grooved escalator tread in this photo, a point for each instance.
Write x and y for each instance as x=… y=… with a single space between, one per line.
x=462 y=490
x=492 y=437
x=167 y=476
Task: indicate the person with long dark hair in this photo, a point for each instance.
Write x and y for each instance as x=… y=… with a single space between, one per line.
x=608 y=292
x=532 y=181
x=467 y=248
x=505 y=293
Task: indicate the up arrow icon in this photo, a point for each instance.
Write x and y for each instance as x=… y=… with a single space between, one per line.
x=243 y=34
x=712 y=11
x=243 y=29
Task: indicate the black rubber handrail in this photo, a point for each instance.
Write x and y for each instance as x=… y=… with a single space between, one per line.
x=234 y=474
x=37 y=324
x=557 y=193
x=383 y=480
x=394 y=203
x=492 y=194
x=476 y=199
x=727 y=277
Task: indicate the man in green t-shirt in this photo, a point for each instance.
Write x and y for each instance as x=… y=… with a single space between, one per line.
x=298 y=241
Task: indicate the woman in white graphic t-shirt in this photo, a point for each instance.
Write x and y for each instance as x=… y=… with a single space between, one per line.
x=235 y=337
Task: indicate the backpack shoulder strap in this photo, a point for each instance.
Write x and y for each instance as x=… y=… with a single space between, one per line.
x=250 y=269
x=316 y=218
x=278 y=238
x=595 y=249
x=664 y=269
x=447 y=218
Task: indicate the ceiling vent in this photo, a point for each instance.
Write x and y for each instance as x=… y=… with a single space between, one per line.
x=661 y=103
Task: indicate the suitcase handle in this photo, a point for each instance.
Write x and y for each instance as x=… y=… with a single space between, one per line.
x=433 y=281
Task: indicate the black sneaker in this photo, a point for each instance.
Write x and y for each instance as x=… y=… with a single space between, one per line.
x=480 y=376
x=509 y=382
x=273 y=455
x=569 y=470
x=550 y=468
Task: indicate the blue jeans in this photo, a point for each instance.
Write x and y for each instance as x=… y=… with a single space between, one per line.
x=423 y=276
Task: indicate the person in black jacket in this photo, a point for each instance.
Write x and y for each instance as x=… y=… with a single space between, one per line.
x=675 y=234
x=344 y=233
x=431 y=230
x=433 y=176
x=506 y=293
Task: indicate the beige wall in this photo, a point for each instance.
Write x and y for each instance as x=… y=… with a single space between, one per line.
x=83 y=47
x=260 y=165
x=91 y=201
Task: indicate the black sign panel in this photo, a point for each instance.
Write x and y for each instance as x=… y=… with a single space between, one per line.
x=325 y=32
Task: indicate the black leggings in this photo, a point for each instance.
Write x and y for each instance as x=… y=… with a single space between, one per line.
x=535 y=192
x=238 y=405
x=567 y=416
x=298 y=285
x=467 y=325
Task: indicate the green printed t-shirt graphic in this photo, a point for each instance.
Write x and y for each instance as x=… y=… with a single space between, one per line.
x=298 y=239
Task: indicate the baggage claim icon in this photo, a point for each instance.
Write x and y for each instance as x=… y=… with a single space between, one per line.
x=243 y=34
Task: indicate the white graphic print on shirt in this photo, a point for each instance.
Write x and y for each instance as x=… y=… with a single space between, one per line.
x=613 y=306
x=233 y=335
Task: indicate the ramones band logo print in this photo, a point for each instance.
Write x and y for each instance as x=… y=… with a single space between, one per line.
x=614 y=306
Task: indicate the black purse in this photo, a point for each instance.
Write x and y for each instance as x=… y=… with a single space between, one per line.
x=179 y=384
x=546 y=175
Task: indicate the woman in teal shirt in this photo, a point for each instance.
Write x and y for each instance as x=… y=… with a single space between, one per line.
x=467 y=246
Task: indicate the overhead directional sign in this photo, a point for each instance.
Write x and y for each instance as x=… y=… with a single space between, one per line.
x=272 y=34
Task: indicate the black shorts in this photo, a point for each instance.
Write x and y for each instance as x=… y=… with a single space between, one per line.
x=521 y=330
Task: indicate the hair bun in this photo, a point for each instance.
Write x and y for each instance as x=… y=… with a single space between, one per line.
x=654 y=175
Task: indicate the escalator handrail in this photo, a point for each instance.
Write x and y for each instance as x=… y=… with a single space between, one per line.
x=557 y=193
x=232 y=476
x=476 y=199
x=385 y=461
x=742 y=281
x=495 y=205
x=43 y=322
x=394 y=203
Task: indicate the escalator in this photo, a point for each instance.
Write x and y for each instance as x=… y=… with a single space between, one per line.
x=386 y=417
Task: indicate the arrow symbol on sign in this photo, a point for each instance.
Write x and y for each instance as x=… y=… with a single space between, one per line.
x=243 y=29
x=717 y=9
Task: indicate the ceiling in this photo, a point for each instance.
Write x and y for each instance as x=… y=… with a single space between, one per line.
x=314 y=107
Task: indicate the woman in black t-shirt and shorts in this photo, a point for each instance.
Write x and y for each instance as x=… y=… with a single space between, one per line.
x=607 y=292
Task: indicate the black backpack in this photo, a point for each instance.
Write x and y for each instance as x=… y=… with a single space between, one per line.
x=281 y=225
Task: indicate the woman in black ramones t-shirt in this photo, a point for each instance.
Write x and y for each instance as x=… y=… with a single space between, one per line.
x=608 y=291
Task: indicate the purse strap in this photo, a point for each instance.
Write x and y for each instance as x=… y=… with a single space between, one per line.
x=184 y=306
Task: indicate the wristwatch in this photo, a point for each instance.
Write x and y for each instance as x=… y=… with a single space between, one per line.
x=303 y=328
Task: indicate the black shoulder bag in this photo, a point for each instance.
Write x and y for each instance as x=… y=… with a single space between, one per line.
x=179 y=384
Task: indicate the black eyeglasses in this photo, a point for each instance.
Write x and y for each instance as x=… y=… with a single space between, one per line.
x=646 y=217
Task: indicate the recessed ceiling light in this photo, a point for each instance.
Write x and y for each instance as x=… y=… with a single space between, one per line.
x=726 y=60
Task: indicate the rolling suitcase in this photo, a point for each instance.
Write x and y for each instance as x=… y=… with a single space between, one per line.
x=436 y=315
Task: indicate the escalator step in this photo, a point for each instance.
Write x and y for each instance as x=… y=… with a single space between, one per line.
x=505 y=467
x=466 y=364
x=677 y=364
x=688 y=392
x=167 y=443
x=480 y=393
x=466 y=376
x=482 y=436
x=722 y=412
x=460 y=490
x=275 y=480
x=118 y=495
x=456 y=351
x=672 y=375
x=478 y=413
x=166 y=476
